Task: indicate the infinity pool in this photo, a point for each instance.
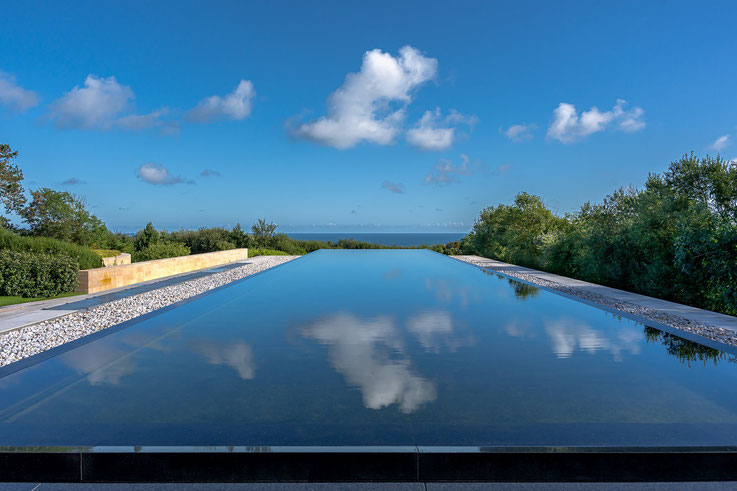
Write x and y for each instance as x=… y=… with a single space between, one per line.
x=374 y=348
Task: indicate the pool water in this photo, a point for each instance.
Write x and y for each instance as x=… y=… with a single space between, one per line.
x=374 y=348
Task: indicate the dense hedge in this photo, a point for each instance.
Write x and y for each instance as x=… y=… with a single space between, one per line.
x=674 y=239
x=161 y=251
x=30 y=274
x=265 y=252
x=85 y=258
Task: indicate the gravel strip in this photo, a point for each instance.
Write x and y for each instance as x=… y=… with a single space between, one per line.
x=712 y=332
x=33 y=339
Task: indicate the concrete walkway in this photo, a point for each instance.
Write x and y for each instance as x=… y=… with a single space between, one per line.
x=20 y=315
x=665 y=307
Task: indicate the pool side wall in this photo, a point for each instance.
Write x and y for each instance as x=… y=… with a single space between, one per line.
x=100 y=279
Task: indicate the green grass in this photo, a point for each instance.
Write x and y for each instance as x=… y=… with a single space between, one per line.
x=5 y=300
x=266 y=252
x=106 y=252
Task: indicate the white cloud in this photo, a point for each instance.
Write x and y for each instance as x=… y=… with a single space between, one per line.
x=97 y=105
x=394 y=187
x=138 y=122
x=720 y=143
x=445 y=172
x=519 y=132
x=361 y=109
x=14 y=97
x=235 y=106
x=433 y=132
x=569 y=127
x=158 y=174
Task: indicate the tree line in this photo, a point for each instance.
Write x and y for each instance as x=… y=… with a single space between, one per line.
x=676 y=238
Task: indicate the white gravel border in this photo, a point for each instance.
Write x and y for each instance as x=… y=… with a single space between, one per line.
x=31 y=340
x=715 y=333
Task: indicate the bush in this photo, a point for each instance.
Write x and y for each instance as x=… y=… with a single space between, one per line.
x=30 y=274
x=205 y=239
x=85 y=258
x=266 y=252
x=674 y=239
x=160 y=251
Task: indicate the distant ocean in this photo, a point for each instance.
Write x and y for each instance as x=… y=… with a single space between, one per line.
x=402 y=240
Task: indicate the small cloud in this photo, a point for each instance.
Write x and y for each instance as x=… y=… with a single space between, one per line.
x=393 y=187
x=370 y=104
x=15 y=97
x=569 y=127
x=235 y=106
x=72 y=181
x=210 y=173
x=433 y=132
x=519 y=132
x=159 y=175
x=720 y=143
x=445 y=172
x=140 y=122
x=503 y=169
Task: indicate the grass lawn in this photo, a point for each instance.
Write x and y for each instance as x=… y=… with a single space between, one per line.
x=4 y=300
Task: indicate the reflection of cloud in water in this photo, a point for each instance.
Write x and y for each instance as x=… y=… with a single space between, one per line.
x=519 y=328
x=448 y=289
x=568 y=334
x=434 y=330
x=238 y=356
x=360 y=350
x=392 y=274
x=103 y=364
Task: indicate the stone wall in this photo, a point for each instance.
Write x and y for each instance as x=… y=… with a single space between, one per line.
x=99 y=279
x=123 y=258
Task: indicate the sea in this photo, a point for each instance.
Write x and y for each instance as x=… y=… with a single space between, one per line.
x=398 y=239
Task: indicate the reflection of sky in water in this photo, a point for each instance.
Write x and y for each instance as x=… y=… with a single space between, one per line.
x=567 y=335
x=238 y=356
x=377 y=347
x=369 y=353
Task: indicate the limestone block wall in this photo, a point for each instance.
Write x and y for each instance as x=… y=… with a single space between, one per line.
x=123 y=258
x=99 y=279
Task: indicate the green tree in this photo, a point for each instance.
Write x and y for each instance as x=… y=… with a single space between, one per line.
x=11 y=188
x=63 y=216
x=239 y=237
x=146 y=237
x=517 y=234
x=263 y=233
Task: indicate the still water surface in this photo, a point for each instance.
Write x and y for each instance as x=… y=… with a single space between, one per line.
x=390 y=347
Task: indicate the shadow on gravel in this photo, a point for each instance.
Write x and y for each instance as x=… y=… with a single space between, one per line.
x=88 y=303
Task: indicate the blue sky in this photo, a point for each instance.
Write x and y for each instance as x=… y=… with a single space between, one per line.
x=196 y=114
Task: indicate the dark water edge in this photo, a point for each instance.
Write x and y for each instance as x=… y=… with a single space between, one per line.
x=399 y=239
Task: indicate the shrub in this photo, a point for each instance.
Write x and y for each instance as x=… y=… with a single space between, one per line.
x=205 y=239
x=674 y=239
x=266 y=252
x=160 y=251
x=30 y=274
x=85 y=257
